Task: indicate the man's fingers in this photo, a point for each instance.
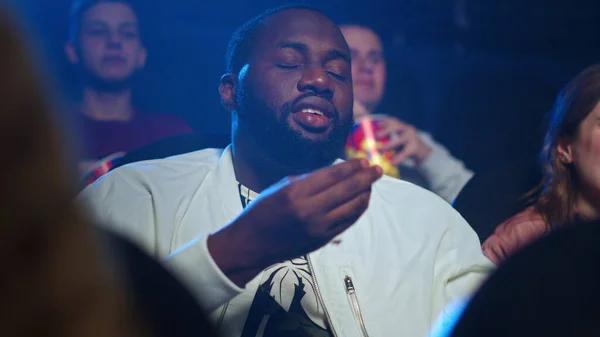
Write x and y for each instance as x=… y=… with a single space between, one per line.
x=347 y=214
x=338 y=220
x=324 y=178
x=346 y=190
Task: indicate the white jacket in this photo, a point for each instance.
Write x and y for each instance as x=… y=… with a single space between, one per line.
x=409 y=255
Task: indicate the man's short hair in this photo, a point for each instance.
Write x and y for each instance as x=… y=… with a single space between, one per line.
x=79 y=7
x=243 y=39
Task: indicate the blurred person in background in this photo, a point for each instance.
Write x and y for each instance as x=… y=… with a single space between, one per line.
x=550 y=288
x=56 y=280
x=106 y=46
x=570 y=162
x=415 y=150
x=62 y=276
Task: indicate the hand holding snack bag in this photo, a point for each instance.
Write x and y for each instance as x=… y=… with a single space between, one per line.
x=363 y=143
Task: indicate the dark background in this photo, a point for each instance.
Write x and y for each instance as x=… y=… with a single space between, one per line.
x=478 y=74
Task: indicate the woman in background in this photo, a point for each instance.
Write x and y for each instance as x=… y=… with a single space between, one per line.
x=570 y=160
x=421 y=159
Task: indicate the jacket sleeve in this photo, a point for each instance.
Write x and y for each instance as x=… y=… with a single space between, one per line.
x=445 y=174
x=460 y=269
x=123 y=206
x=198 y=271
x=514 y=234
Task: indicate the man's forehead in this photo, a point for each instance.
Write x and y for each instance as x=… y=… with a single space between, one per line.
x=110 y=11
x=301 y=25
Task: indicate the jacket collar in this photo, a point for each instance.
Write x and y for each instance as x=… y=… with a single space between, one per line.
x=225 y=185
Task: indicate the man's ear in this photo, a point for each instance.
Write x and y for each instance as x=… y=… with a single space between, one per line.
x=227 y=89
x=71 y=52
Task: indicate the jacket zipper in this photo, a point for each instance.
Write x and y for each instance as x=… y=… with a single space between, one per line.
x=319 y=298
x=222 y=316
x=351 y=292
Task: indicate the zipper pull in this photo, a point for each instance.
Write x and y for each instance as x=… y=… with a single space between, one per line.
x=349 y=285
x=354 y=304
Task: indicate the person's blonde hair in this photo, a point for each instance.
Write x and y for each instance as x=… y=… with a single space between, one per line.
x=56 y=279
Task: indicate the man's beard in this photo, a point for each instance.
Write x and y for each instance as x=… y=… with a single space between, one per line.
x=288 y=146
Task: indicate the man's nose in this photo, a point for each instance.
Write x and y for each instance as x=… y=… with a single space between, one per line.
x=317 y=80
x=114 y=41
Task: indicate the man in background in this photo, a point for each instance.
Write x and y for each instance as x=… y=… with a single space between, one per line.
x=275 y=236
x=106 y=46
